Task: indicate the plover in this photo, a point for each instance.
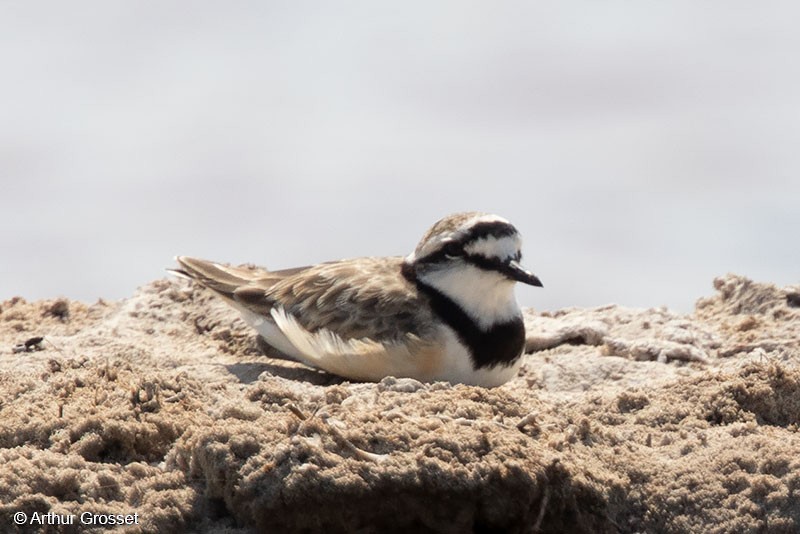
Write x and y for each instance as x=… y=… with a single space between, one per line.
x=447 y=311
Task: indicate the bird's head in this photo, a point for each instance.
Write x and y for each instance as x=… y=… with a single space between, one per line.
x=472 y=241
x=474 y=259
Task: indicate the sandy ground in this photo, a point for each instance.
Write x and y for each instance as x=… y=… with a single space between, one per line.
x=621 y=420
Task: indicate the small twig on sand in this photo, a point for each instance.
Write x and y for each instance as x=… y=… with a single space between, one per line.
x=292 y=407
x=338 y=436
x=359 y=453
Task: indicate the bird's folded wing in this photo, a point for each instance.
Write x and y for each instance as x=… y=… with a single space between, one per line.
x=361 y=359
x=363 y=298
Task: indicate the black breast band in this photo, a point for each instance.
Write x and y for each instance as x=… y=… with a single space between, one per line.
x=501 y=344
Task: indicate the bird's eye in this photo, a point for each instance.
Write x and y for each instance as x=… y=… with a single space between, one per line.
x=453 y=249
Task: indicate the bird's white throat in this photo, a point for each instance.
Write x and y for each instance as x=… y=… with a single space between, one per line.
x=486 y=296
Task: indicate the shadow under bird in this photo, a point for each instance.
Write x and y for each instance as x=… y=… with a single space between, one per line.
x=447 y=311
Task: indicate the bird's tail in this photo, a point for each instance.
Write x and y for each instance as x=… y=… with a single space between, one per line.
x=220 y=278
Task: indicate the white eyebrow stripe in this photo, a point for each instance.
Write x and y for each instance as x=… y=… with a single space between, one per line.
x=493 y=247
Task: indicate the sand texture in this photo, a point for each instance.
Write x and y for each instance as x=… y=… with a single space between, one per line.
x=621 y=420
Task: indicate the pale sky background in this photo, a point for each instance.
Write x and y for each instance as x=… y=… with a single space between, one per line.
x=641 y=148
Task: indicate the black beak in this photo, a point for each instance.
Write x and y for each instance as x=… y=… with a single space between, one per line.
x=515 y=271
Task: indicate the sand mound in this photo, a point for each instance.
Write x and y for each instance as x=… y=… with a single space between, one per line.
x=621 y=420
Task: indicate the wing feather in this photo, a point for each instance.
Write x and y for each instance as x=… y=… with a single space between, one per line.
x=362 y=298
x=361 y=359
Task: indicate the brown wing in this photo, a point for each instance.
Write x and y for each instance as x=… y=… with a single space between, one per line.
x=360 y=298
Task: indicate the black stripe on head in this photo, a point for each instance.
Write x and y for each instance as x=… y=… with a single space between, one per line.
x=496 y=229
x=501 y=344
x=483 y=230
x=489 y=264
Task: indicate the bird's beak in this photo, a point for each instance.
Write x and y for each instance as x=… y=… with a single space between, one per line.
x=517 y=272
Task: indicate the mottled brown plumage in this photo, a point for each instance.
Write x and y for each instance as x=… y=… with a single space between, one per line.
x=358 y=298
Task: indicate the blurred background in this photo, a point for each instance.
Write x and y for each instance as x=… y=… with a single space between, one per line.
x=641 y=148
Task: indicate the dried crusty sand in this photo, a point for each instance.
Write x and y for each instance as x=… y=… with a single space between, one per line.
x=621 y=420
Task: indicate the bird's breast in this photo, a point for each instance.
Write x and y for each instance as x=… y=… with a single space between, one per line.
x=458 y=363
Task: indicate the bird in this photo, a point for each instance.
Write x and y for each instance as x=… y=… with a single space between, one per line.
x=445 y=312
